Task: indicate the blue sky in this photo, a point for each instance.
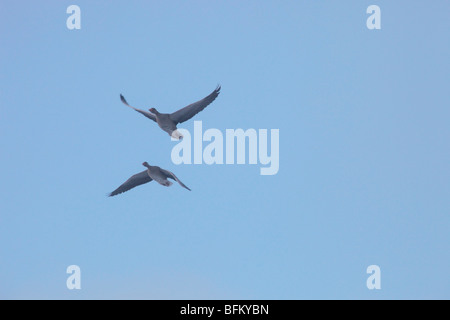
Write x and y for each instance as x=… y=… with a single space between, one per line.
x=364 y=160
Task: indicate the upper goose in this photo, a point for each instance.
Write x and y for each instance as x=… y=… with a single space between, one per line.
x=168 y=121
x=152 y=173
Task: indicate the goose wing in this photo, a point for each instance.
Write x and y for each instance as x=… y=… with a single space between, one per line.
x=191 y=110
x=134 y=181
x=170 y=175
x=145 y=113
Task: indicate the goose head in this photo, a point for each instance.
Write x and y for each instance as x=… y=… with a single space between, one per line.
x=145 y=164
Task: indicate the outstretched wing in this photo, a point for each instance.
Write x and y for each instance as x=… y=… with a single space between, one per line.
x=174 y=177
x=134 y=181
x=191 y=110
x=145 y=113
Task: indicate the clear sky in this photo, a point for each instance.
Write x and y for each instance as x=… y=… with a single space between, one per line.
x=364 y=174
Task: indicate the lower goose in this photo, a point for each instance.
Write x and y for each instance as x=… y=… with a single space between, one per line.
x=152 y=173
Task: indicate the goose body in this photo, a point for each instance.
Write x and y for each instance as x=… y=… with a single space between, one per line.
x=152 y=173
x=169 y=121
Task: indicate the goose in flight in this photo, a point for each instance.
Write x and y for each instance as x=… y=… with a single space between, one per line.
x=168 y=121
x=152 y=173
